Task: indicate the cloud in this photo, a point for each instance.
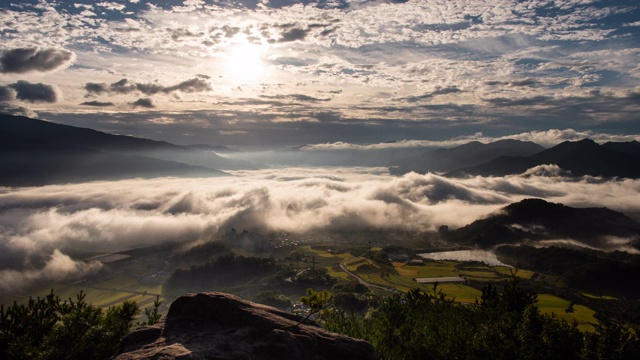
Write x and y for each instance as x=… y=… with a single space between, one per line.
x=17 y=110
x=197 y=84
x=429 y=95
x=111 y=5
x=293 y=35
x=58 y=267
x=110 y=216
x=34 y=93
x=97 y=103
x=297 y=97
x=7 y=93
x=143 y=102
x=24 y=60
x=125 y=86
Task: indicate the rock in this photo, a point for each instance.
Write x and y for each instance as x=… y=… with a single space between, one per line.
x=222 y=326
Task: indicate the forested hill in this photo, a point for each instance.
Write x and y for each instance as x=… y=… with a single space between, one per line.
x=537 y=219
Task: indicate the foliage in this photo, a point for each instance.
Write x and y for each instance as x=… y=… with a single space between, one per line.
x=153 y=313
x=590 y=270
x=225 y=271
x=318 y=278
x=317 y=301
x=275 y=299
x=50 y=328
x=504 y=324
x=352 y=297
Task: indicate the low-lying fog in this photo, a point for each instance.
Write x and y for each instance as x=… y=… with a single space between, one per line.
x=40 y=226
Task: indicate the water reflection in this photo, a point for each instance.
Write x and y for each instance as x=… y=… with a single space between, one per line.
x=486 y=257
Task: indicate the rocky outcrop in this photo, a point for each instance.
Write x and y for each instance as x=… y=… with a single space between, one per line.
x=222 y=326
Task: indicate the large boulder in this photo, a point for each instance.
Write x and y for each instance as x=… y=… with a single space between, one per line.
x=222 y=326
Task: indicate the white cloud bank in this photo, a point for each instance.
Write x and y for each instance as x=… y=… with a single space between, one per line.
x=40 y=222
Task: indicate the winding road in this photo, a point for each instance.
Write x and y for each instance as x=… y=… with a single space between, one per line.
x=362 y=281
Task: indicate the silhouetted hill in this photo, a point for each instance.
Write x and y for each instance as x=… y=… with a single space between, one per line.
x=583 y=157
x=75 y=137
x=470 y=154
x=630 y=148
x=31 y=162
x=536 y=219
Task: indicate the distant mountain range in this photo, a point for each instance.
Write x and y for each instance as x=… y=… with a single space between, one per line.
x=36 y=152
x=463 y=156
x=584 y=157
x=534 y=220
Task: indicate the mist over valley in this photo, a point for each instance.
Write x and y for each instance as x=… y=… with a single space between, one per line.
x=400 y=179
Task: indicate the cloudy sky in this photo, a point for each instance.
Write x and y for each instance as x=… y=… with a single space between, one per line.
x=283 y=72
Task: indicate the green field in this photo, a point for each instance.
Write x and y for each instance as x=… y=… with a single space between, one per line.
x=525 y=274
x=549 y=304
x=429 y=269
x=102 y=294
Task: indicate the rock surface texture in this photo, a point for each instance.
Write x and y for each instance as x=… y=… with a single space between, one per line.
x=222 y=326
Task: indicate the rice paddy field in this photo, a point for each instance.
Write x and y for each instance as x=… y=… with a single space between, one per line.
x=103 y=294
x=403 y=275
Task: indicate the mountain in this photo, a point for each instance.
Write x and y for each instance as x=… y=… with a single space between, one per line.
x=630 y=147
x=223 y=326
x=75 y=137
x=470 y=154
x=584 y=157
x=30 y=161
x=535 y=220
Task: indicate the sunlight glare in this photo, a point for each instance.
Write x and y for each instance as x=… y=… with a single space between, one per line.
x=244 y=63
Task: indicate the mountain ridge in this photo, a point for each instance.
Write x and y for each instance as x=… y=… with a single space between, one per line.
x=79 y=137
x=466 y=155
x=36 y=152
x=583 y=157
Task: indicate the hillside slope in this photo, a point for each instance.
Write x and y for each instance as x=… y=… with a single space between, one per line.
x=535 y=220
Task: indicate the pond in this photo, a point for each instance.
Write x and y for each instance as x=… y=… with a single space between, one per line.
x=487 y=257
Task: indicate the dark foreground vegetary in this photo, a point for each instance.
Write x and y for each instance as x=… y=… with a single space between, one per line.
x=504 y=324
x=50 y=328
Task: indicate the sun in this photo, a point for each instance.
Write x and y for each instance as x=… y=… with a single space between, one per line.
x=243 y=63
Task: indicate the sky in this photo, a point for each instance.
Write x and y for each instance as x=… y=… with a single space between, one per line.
x=252 y=73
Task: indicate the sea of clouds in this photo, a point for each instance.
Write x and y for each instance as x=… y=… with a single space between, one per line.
x=41 y=226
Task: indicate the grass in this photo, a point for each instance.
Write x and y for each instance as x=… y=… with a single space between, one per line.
x=461 y=293
x=550 y=304
x=524 y=274
x=354 y=263
x=334 y=271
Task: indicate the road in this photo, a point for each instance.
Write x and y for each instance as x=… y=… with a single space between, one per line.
x=364 y=282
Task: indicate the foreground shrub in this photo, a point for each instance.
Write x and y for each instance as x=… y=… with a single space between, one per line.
x=50 y=328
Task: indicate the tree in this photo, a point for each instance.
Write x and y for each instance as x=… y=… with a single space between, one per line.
x=50 y=328
x=317 y=301
x=153 y=313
